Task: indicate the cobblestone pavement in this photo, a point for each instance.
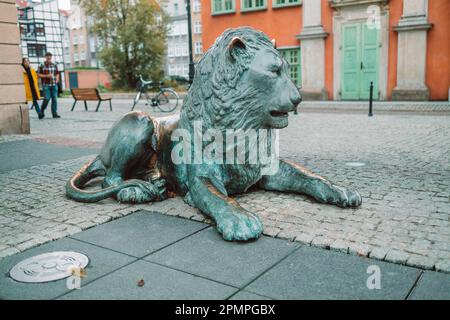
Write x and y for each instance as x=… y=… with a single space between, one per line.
x=405 y=184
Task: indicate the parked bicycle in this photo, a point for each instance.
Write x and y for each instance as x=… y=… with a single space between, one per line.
x=165 y=99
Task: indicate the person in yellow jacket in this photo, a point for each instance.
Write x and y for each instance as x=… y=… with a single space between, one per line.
x=30 y=80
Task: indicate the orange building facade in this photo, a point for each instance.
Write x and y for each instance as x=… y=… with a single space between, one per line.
x=337 y=48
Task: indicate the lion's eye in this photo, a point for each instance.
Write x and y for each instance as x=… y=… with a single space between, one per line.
x=276 y=70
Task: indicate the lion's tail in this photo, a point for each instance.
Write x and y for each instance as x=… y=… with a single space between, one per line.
x=90 y=170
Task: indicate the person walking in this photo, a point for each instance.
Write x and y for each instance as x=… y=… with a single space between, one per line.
x=48 y=72
x=30 y=80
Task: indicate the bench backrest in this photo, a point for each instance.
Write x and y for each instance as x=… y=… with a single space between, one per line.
x=85 y=94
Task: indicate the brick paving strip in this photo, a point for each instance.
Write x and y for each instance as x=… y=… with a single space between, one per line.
x=405 y=216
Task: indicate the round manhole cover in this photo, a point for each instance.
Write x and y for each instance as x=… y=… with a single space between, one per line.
x=355 y=164
x=48 y=266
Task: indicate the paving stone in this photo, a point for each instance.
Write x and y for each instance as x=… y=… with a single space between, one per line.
x=431 y=286
x=322 y=242
x=336 y=276
x=378 y=253
x=8 y=251
x=443 y=266
x=340 y=245
x=206 y=254
x=397 y=256
x=141 y=229
x=159 y=283
x=420 y=261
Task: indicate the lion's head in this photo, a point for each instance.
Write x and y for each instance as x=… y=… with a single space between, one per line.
x=241 y=82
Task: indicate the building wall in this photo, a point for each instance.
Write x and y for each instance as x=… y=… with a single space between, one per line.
x=13 y=109
x=90 y=78
x=438 y=50
x=196 y=17
x=395 y=12
x=284 y=24
x=177 y=60
x=327 y=21
x=80 y=45
x=46 y=13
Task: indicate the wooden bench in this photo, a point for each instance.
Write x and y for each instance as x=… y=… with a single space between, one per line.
x=89 y=94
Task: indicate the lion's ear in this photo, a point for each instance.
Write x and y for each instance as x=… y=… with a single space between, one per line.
x=236 y=45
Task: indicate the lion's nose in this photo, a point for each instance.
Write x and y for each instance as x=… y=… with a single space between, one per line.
x=296 y=98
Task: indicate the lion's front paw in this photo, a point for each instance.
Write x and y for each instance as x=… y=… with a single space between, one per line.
x=348 y=198
x=239 y=226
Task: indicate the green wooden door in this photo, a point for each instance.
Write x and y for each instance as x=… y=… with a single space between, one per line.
x=350 y=61
x=369 y=59
x=359 y=61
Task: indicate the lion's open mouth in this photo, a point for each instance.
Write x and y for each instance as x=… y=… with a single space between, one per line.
x=278 y=114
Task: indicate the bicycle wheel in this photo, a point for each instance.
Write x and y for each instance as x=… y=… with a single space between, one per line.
x=136 y=99
x=167 y=100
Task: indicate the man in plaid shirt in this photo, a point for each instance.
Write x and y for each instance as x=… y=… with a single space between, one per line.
x=48 y=72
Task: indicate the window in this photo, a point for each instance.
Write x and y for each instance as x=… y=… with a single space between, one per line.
x=250 y=5
x=286 y=3
x=40 y=29
x=197 y=27
x=81 y=39
x=82 y=55
x=23 y=29
x=36 y=50
x=222 y=6
x=185 y=50
x=92 y=44
x=197 y=6
x=293 y=57
x=175 y=9
x=27 y=30
x=198 y=47
x=75 y=56
x=75 y=40
x=171 y=50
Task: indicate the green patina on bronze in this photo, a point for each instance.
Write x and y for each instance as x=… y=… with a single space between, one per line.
x=241 y=83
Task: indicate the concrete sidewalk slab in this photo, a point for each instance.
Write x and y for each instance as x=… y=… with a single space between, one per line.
x=159 y=283
x=235 y=263
x=245 y=295
x=432 y=286
x=143 y=230
x=201 y=265
x=101 y=262
x=27 y=153
x=312 y=273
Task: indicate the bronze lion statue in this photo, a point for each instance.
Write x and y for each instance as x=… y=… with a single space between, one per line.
x=242 y=83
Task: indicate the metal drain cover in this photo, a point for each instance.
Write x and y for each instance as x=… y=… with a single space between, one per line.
x=355 y=164
x=48 y=266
